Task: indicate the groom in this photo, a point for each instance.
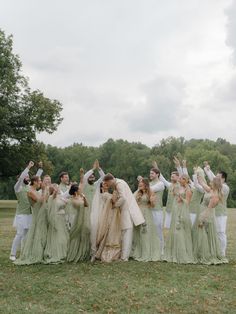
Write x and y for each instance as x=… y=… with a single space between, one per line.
x=130 y=212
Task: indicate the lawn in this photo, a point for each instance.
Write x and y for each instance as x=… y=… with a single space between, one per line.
x=121 y=287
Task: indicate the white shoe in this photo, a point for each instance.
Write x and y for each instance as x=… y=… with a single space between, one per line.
x=12 y=258
x=93 y=258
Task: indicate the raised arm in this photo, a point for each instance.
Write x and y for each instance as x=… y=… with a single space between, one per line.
x=91 y=171
x=178 y=166
x=19 y=183
x=40 y=169
x=208 y=171
x=166 y=183
x=101 y=173
x=197 y=185
x=203 y=184
x=185 y=169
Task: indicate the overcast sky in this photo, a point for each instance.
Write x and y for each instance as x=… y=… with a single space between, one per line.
x=140 y=70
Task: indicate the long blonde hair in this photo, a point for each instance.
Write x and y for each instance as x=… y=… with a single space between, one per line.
x=217 y=187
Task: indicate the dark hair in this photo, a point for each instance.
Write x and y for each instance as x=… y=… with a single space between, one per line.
x=73 y=189
x=34 y=179
x=175 y=172
x=108 y=177
x=157 y=171
x=62 y=174
x=224 y=175
x=101 y=187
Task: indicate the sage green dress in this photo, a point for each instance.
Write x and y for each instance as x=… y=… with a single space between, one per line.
x=206 y=246
x=79 y=243
x=35 y=242
x=58 y=235
x=194 y=205
x=146 y=243
x=178 y=247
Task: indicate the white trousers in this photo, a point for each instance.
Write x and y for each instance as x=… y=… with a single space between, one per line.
x=126 y=239
x=193 y=218
x=221 y=222
x=167 y=220
x=158 y=221
x=18 y=240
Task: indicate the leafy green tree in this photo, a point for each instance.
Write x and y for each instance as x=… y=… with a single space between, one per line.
x=23 y=113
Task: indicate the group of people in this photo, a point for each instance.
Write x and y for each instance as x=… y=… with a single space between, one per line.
x=104 y=220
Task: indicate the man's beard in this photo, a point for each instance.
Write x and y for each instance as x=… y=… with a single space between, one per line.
x=91 y=182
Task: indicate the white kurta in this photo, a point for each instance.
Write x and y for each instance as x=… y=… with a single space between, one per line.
x=130 y=211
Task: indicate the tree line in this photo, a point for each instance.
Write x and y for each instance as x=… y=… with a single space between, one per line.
x=127 y=160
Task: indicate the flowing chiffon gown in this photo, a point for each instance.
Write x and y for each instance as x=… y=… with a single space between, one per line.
x=36 y=238
x=58 y=235
x=79 y=243
x=146 y=242
x=206 y=246
x=178 y=247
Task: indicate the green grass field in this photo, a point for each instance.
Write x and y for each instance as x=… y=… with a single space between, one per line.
x=131 y=287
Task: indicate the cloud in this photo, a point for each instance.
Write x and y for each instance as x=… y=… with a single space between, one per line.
x=138 y=70
x=231 y=28
x=161 y=108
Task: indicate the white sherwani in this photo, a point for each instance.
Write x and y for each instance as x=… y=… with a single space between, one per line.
x=130 y=211
x=130 y=215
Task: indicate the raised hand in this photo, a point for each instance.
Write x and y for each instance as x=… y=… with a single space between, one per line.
x=176 y=162
x=40 y=164
x=95 y=164
x=206 y=165
x=154 y=164
x=184 y=163
x=139 y=178
x=81 y=172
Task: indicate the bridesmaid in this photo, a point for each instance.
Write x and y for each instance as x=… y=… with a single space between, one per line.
x=58 y=235
x=206 y=246
x=179 y=242
x=79 y=244
x=147 y=245
x=35 y=242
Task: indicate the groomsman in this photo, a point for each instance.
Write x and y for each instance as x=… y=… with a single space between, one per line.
x=64 y=182
x=221 y=208
x=90 y=186
x=23 y=215
x=89 y=181
x=130 y=212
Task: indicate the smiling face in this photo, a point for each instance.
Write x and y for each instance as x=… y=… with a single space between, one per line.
x=47 y=180
x=174 y=177
x=141 y=185
x=38 y=183
x=65 y=179
x=183 y=181
x=153 y=175
x=91 y=179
